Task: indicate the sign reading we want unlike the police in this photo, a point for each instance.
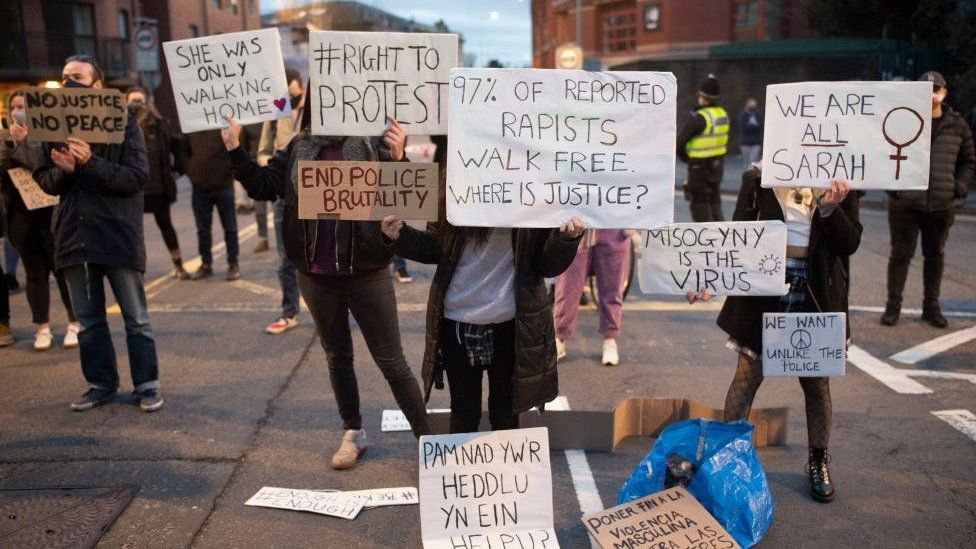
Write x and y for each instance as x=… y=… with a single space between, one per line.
x=534 y=148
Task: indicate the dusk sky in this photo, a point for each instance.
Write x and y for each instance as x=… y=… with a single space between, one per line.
x=492 y=29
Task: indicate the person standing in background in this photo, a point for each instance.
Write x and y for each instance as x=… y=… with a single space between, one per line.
x=213 y=187
x=702 y=145
x=751 y=131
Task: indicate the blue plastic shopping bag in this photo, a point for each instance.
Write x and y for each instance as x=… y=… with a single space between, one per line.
x=729 y=482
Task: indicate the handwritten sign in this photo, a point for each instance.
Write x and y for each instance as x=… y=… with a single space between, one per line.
x=335 y=504
x=361 y=78
x=533 y=148
x=385 y=497
x=486 y=490
x=737 y=258
x=239 y=74
x=395 y=421
x=672 y=518
x=94 y=116
x=364 y=191
x=804 y=344
x=34 y=198
x=876 y=135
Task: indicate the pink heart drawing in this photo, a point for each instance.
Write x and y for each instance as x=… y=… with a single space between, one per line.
x=280 y=103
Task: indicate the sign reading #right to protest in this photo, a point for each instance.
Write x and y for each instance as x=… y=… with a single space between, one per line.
x=804 y=344
x=534 y=148
x=876 y=135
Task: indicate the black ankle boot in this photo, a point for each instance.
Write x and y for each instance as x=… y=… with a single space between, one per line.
x=933 y=315
x=890 y=316
x=821 y=488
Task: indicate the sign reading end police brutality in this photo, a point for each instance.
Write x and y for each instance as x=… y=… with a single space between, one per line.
x=876 y=135
x=367 y=191
x=94 y=116
x=240 y=74
x=534 y=148
x=486 y=490
x=359 y=79
x=804 y=344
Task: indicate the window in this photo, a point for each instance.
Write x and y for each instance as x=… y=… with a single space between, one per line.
x=250 y=6
x=124 y=25
x=233 y=6
x=652 y=17
x=194 y=31
x=620 y=30
x=218 y=4
x=70 y=29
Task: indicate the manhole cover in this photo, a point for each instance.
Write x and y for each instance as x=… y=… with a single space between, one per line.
x=60 y=517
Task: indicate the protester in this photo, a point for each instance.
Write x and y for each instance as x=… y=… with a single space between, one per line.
x=29 y=231
x=823 y=231
x=98 y=235
x=930 y=212
x=250 y=139
x=751 y=130
x=400 y=270
x=343 y=267
x=701 y=144
x=160 y=192
x=6 y=336
x=10 y=259
x=607 y=253
x=213 y=187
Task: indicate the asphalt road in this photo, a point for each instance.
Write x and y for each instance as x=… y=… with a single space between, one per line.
x=246 y=410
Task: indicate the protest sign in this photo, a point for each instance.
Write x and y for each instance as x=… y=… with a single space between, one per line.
x=239 y=74
x=385 y=497
x=672 y=518
x=735 y=258
x=533 y=148
x=486 y=490
x=804 y=344
x=32 y=195
x=335 y=504
x=363 y=191
x=94 y=116
x=395 y=421
x=874 y=134
x=359 y=79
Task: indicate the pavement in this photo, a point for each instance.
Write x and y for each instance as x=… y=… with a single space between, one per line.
x=246 y=410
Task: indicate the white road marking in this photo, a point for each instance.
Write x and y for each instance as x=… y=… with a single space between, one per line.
x=895 y=379
x=912 y=312
x=587 y=493
x=941 y=375
x=935 y=346
x=963 y=420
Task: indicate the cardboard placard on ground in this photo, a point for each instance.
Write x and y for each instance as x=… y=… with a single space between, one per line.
x=364 y=191
x=383 y=497
x=358 y=79
x=94 y=116
x=334 y=504
x=726 y=258
x=238 y=74
x=30 y=192
x=672 y=518
x=534 y=147
x=486 y=489
x=877 y=135
x=804 y=344
x=394 y=421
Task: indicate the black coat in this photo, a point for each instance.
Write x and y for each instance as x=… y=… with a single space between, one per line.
x=833 y=239
x=159 y=147
x=99 y=219
x=539 y=254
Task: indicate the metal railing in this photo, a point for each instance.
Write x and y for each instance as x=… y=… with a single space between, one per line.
x=33 y=55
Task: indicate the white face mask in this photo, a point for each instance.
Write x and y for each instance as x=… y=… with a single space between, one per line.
x=938 y=97
x=19 y=116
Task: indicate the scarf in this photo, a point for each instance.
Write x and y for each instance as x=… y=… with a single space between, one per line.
x=308 y=147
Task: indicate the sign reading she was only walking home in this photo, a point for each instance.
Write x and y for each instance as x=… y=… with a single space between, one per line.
x=239 y=74
x=364 y=191
x=876 y=135
x=737 y=258
x=534 y=148
x=804 y=344
x=359 y=79
x=480 y=490
x=94 y=116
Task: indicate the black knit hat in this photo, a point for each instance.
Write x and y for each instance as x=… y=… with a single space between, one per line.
x=710 y=89
x=934 y=77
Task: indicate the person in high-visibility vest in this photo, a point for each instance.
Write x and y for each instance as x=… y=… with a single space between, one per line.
x=701 y=144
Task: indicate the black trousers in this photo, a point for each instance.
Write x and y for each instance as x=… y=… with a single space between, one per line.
x=905 y=225
x=159 y=205
x=30 y=233
x=464 y=380
x=702 y=189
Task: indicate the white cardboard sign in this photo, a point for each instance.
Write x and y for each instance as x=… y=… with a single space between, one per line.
x=804 y=344
x=360 y=78
x=876 y=135
x=395 y=420
x=726 y=258
x=239 y=74
x=486 y=490
x=335 y=504
x=30 y=192
x=535 y=147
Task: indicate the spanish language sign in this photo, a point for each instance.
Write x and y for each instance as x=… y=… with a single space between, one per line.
x=239 y=74
x=804 y=344
x=335 y=504
x=672 y=518
x=486 y=490
x=30 y=192
x=364 y=191
x=534 y=148
x=359 y=79
x=725 y=258
x=876 y=135
x=94 y=116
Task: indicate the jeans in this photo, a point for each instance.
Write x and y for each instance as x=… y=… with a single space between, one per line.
x=203 y=204
x=750 y=154
x=261 y=217
x=904 y=225
x=399 y=263
x=87 y=287
x=287 y=275
x=372 y=301
x=464 y=381
x=609 y=257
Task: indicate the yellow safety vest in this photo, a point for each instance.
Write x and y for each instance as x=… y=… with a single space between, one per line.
x=711 y=142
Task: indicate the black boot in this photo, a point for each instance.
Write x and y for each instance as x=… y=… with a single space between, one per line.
x=933 y=315
x=890 y=316
x=821 y=488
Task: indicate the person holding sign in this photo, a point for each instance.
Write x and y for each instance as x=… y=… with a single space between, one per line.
x=28 y=227
x=823 y=231
x=701 y=143
x=343 y=268
x=98 y=235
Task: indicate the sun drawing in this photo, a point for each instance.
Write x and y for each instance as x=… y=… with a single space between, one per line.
x=770 y=264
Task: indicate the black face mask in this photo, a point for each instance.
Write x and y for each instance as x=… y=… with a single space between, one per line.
x=295 y=102
x=69 y=83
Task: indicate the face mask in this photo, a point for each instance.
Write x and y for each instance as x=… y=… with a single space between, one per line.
x=69 y=83
x=938 y=97
x=19 y=116
x=295 y=101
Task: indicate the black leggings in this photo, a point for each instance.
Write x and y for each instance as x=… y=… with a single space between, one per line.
x=30 y=233
x=158 y=205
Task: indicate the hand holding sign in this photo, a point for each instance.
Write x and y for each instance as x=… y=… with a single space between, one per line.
x=231 y=135
x=63 y=160
x=391 y=225
x=80 y=150
x=573 y=228
x=835 y=194
x=18 y=132
x=395 y=139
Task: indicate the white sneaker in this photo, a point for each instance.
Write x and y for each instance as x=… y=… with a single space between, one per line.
x=560 y=349
x=352 y=448
x=281 y=325
x=71 y=336
x=610 y=355
x=43 y=340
